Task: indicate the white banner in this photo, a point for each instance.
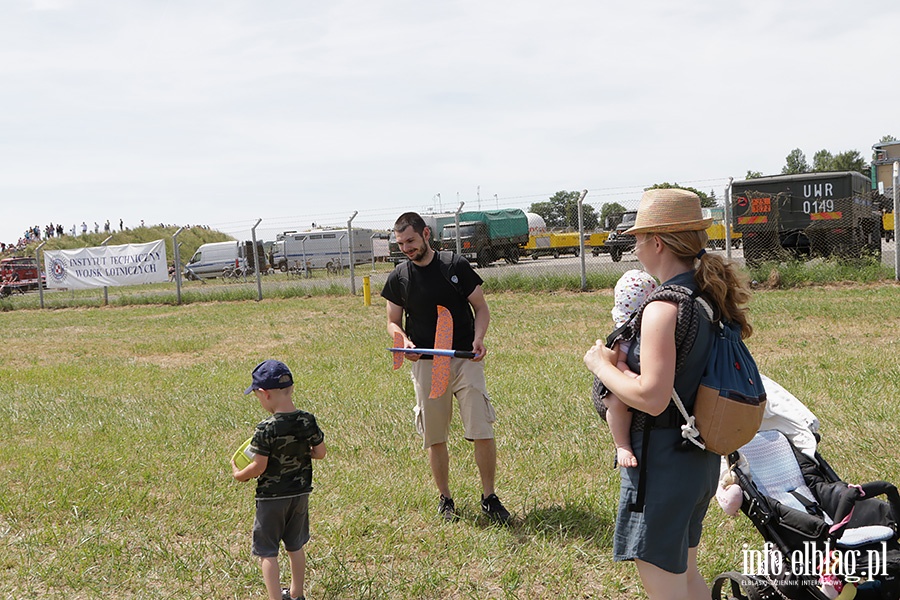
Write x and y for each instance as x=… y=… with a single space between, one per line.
x=128 y=264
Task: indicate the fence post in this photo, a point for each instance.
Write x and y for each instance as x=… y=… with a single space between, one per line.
x=581 y=238
x=896 y=222
x=176 y=250
x=256 y=261
x=728 y=219
x=37 y=257
x=105 y=287
x=350 y=253
x=305 y=264
x=458 y=236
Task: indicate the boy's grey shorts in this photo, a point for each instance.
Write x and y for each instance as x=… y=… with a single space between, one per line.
x=277 y=520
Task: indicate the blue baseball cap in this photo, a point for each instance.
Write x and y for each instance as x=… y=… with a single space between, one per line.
x=271 y=375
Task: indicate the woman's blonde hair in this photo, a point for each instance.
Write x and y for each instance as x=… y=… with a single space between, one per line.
x=717 y=279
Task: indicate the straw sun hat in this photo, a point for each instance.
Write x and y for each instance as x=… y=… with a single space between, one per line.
x=669 y=210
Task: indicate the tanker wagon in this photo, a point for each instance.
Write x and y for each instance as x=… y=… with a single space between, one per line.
x=806 y=214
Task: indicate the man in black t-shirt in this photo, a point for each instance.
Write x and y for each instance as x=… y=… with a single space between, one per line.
x=414 y=291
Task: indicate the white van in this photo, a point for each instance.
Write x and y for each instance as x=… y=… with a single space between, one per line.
x=321 y=249
x=211 y=260
x=215 y=259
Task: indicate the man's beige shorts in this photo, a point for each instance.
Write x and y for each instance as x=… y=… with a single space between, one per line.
x=468 y=385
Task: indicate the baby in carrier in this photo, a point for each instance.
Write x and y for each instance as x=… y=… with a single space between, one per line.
x=631 y=291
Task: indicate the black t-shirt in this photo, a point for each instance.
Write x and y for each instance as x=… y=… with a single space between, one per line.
x=428 y=288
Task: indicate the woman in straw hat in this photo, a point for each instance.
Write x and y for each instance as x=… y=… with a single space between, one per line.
x=663 y=500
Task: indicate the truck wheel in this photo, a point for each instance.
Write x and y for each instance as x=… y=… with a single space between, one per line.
x=872 y=232
x=615 y=254
x=512 y=256
x=556 y=254
x=577 y=252
x=534 y=255
x=481 y=259
x=595 y=252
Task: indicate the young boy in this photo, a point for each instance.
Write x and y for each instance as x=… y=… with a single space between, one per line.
x=284 y=445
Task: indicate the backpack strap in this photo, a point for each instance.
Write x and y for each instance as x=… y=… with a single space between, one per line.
x=688 y=321
x=689 y=429
x=447 y=262
x=639 y=499
x=404 y=274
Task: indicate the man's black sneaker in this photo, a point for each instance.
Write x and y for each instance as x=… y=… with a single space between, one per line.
x=494 y=509
x=447 y=509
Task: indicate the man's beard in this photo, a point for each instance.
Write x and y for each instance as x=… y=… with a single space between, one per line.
x=419 y=254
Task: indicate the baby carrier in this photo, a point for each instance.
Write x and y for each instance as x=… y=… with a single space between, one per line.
x=823 y=538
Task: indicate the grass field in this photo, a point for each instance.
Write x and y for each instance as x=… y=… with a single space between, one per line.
x=120 y=421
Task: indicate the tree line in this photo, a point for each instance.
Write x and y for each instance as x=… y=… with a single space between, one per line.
x=561 y=210
x=824 y=160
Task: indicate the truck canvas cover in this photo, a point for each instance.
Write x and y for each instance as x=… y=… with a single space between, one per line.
x=502 y=223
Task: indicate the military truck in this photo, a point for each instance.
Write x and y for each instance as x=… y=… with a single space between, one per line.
x=488 y=235
x=806 y=214
x=618 y=243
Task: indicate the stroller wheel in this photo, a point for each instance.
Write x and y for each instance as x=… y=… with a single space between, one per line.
x=735 y=586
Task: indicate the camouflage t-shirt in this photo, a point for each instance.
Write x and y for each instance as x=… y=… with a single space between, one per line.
x=286 y=438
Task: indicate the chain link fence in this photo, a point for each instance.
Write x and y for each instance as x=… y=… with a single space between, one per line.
x=795 y=217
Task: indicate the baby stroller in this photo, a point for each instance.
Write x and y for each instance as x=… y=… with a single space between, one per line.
x=823 y=538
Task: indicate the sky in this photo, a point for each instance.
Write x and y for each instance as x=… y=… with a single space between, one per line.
x=225 y=112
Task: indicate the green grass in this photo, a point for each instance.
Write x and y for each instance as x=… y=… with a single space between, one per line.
x=821 y=271
x=121 y=420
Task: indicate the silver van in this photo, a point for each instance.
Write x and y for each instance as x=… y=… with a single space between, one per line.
x=212 y=260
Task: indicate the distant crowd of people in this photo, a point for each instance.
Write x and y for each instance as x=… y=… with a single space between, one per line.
x=57 y=230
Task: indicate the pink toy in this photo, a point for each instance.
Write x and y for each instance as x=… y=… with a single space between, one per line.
x=730 y=498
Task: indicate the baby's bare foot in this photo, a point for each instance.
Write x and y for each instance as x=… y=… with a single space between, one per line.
x=625 y=457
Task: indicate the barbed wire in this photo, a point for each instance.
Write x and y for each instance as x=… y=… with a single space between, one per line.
x=382 y=217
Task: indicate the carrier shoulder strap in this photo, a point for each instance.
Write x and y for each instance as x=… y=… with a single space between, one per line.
x=688 y=317
x=447 y=262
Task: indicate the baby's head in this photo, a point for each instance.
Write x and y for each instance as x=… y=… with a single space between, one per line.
x=632 y=289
